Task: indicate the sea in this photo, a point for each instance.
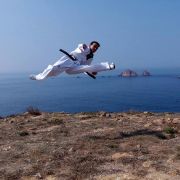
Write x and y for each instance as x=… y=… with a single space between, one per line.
x=72 y=94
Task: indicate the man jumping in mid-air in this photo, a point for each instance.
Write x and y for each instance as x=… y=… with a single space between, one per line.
x=78 y=61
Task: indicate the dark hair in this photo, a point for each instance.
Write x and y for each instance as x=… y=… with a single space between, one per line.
x=95 y=43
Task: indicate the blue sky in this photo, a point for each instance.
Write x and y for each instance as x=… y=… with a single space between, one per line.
x=139 y=34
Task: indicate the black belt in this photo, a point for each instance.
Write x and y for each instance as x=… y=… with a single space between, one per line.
x=74 y=59
x=67 y=54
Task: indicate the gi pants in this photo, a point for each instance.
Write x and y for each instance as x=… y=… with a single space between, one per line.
x=70 y=67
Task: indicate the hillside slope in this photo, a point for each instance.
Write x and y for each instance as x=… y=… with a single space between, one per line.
x=132 y=145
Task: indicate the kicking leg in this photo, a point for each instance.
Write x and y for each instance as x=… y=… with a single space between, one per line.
x=104 y=66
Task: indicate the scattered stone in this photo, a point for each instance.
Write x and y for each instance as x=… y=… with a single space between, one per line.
x=176 y=120
x=38 y=175
x=102 y=114
x=113 y=115
x=158 y=121
x=108 y=115
x=159 y=128
x=121 y=155
x=147 y=125
x=147 y=164
x=6 y=148
x=148 y=113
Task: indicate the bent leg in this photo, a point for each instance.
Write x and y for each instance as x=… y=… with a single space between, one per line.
x=104 y=66
x=53 y=70
x=48 y=72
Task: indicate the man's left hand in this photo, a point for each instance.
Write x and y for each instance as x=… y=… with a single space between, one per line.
x=94 y=73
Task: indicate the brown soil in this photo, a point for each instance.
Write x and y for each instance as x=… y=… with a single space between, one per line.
x=104 y=146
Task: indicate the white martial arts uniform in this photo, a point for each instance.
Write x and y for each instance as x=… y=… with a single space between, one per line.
x=83 y=56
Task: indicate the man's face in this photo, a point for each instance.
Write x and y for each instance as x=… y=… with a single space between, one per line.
x=94 y=47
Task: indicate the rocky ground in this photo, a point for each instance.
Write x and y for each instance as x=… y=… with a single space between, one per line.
x=102 y=146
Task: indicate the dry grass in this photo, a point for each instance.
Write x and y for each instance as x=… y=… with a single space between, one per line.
x=33 y=111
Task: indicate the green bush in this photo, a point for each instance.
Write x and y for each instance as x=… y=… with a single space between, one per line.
x=169 y=130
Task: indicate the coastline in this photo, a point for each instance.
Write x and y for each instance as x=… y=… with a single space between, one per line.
x=99 y=145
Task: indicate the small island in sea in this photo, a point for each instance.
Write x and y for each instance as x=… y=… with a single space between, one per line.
x=132 y=73
x=128 y=73
x=146 y=73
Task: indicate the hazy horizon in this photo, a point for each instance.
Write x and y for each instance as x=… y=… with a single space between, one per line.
x=133 y=34
x=117 y=71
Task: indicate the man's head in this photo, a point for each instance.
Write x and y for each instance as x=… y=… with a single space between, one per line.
x=94 y=45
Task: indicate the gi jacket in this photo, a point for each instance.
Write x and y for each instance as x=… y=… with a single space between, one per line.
x=83 y=54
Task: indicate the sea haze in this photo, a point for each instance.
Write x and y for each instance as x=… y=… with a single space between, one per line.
x=160 y=93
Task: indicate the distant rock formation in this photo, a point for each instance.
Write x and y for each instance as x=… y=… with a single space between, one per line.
x=146 y=73
x=129 y=73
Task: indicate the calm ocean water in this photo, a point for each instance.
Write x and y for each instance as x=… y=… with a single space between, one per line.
x=76 y=94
